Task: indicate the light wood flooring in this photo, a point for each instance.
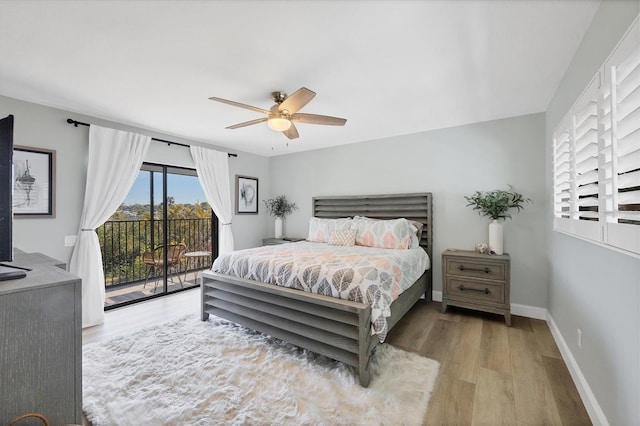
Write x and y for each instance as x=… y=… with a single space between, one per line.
x=127 y=319
x=490 y=374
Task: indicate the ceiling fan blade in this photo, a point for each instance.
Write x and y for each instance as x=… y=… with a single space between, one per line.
x=319 y=119
x=238 y=104
x=291 y=132
x=297 y=100
x=248 y=123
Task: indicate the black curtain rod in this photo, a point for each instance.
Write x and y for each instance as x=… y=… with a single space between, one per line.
x=80 y=123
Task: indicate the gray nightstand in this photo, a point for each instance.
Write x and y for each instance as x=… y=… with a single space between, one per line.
x=476 y=281
x=283 y=240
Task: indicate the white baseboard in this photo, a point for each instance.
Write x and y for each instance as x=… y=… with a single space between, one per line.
x=529 y=311
x=516 y=309
x=588 y=398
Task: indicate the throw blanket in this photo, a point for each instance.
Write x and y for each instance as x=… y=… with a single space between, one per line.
x=374 y=276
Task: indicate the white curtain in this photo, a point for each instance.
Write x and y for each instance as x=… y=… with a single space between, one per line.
x=213 y=174
x=115 y=158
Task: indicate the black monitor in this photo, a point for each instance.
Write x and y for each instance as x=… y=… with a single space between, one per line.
x=6 y=201
x=6 y=189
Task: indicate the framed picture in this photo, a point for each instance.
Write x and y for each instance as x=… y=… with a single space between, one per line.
x=246 y=195
x=34 y=182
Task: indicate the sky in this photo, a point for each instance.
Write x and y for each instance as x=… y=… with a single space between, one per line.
x=184 y=189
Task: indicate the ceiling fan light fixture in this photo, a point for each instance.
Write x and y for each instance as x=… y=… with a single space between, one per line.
x=279 y=124
x=280 y=117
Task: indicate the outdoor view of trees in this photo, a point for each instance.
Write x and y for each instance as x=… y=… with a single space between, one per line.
x=131 y=231
x=175 y=211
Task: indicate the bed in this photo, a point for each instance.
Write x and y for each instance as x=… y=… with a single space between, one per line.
x=337 y=328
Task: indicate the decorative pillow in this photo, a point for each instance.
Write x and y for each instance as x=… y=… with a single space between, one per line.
x=418 y=226
x=392 y=234
x=415 y=239
x=346 y=237
x=320 y=229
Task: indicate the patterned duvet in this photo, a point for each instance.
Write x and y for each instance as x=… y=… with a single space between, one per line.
x=363 y=274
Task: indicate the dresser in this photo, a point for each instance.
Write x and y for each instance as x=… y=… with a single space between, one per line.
x=477 y=281
x=41 y=343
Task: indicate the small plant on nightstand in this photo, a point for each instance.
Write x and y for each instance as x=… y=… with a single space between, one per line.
x=496 y=205
x=279 y=207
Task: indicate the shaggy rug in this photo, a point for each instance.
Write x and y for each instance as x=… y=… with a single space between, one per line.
x=189 y=372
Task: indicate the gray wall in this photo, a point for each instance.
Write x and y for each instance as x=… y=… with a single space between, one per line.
x=591 y=287
x=450 y=163
x=44 y=127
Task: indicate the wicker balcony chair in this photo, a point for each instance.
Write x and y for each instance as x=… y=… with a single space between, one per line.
x=155 y=262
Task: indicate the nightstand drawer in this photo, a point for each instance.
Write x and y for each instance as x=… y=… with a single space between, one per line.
x=459 y=288
x=466 y=268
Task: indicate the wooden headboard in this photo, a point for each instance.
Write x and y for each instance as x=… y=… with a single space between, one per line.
x=416 y=207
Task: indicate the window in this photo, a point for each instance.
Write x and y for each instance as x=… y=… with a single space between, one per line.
x=159 y=240
x=596 y=154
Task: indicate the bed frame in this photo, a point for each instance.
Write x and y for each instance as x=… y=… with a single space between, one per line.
x=339 y=329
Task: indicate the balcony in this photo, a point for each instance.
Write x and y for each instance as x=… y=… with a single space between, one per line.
x=124 y=242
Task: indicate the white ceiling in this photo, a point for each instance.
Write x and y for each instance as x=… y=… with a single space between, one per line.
x=389 y=67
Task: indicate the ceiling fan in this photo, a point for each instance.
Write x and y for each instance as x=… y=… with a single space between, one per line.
x=285 y=111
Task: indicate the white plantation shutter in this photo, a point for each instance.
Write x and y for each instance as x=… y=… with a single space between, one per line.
x=596 y=154
x=605 y=147
x=562 y=157
x=621 y=156
x=585 y=147
x=576 y=168
x=586 y=157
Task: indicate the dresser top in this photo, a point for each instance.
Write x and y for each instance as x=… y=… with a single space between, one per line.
x=45 y=272
x=471 y=253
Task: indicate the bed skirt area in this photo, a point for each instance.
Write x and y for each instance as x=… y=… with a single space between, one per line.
x=339 y=329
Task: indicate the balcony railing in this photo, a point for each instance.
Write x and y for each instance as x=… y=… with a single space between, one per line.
x=123 y=243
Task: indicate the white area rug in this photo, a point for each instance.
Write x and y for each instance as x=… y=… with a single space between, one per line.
x=189 y=372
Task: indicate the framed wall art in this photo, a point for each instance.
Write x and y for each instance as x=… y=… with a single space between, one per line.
x=34 y=182
x=246 y=195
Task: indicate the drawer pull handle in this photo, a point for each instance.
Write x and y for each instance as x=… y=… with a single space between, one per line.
x=486 y=269
x=463 y=288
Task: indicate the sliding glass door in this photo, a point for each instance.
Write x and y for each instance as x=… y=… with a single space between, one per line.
x=160 y=239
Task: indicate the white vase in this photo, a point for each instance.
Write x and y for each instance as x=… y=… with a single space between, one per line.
x=278 y=227
x=495 y=237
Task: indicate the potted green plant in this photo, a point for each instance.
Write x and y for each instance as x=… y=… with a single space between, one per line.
x=496 y=205
x=279 y=207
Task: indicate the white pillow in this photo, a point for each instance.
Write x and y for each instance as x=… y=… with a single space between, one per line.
x=320 y=229
x=391 y=234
